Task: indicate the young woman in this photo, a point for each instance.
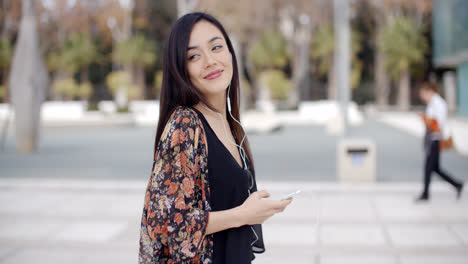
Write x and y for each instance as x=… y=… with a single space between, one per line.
x=202 y=203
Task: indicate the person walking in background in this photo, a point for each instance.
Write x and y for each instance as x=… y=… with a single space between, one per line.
x=435 y=120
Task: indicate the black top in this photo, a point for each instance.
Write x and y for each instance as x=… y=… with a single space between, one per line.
x=229 y=185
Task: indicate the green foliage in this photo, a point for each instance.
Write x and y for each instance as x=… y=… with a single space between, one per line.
x=158 y=77
x=66 y=87
x=70 y=88
x=322 y=48
x=6 y=53
x=278 y=84
x=270 y=52
x=245 y=86
x=78 y=52
x=356 y=73
x=116 y=80
x=85 y=90
x=3 y=91
x=403 y=44
x=93 y=106
x=136 y=50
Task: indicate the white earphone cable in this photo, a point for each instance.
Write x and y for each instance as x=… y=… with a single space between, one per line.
x=241 y=149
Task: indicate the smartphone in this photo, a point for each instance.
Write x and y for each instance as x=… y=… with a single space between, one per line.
x=287 y=196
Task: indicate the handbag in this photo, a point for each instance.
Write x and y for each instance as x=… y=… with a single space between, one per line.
x=446 y=144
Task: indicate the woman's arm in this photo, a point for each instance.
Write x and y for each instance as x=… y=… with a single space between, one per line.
x=222 y=220
x=255 y=210
x=173 y=217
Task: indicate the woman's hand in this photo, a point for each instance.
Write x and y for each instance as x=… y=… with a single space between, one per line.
x=255 y=210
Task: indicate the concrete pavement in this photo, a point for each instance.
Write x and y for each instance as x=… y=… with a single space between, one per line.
x=97 y=221
x=294 y=153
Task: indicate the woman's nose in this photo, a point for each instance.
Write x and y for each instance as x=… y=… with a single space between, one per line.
x=209 y=60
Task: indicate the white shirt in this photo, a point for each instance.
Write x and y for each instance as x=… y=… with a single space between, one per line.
x=437 y=109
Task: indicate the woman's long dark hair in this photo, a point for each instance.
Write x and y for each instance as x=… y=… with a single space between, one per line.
x=177 y=89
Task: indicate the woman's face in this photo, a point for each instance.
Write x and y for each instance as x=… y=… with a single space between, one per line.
x=209 y=62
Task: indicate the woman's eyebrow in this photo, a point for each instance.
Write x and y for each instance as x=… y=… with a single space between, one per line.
x=211 y=40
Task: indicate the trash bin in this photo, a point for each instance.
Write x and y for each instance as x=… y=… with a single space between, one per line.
x=356 y=160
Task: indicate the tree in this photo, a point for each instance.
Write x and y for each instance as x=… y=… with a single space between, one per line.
x=117 y=79
x=383 y=12
x=76 y=54
x=322 y=49
x=404 y=46
x=85 y=52
x=279 y=86
x=139 y=52
x=6 y=55
x=28 y=80
x=3 y=92
x=269 y=52
x=69 y=88
x=158 y=77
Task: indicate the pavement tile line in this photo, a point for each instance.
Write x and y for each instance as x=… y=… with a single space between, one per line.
x=136 y=185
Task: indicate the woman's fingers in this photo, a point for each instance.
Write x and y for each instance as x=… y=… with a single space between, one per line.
x=259 y=210
x=263 y=194
x=279 y=204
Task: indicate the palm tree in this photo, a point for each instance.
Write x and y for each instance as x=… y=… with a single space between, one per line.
x=266 y=54
x=322 y=49
x=139 y=53
x=69 y=88
x=404 y=46
x=117 y=79
x=279 y=86
x=270 y=52
x=6 y=55
x=85 y=52
x=76 y=54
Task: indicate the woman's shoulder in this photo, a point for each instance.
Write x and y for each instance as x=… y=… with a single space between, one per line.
x=185 y=115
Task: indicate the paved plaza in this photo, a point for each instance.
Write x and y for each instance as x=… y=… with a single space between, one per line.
x=79 y=200
x=97 y=221
x=294 y=153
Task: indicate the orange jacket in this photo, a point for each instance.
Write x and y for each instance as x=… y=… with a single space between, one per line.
x=433 y=126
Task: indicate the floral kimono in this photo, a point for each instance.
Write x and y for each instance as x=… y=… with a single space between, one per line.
x=176 y=207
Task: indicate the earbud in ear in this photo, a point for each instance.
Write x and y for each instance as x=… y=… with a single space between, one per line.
x=228 y=100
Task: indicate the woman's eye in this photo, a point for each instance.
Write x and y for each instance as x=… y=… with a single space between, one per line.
x=193 y=56
x=217 y=47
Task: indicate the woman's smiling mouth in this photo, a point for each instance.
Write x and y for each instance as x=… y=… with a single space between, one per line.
x=213 y=75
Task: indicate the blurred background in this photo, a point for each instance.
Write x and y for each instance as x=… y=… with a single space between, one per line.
x=329 y=97
x=91 y=47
